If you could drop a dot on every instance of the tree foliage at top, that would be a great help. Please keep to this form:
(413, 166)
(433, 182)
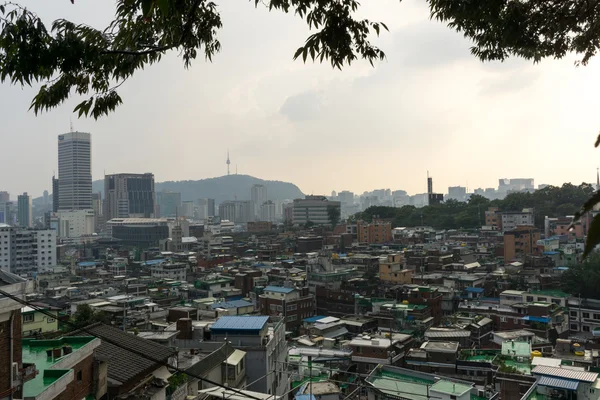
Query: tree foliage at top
(550, 201)
(70, 58)
(583, 279)
(333, 215)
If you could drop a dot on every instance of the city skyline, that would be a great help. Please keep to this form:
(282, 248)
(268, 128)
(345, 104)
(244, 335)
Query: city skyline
(456, 117)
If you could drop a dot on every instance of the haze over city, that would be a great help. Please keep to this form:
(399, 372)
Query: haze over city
(429, 106)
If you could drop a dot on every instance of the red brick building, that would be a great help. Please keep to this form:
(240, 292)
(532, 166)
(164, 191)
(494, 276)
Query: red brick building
(294, 304)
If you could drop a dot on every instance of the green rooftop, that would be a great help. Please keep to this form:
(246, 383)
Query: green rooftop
(414, 388)
(450, 388)
(34, 352)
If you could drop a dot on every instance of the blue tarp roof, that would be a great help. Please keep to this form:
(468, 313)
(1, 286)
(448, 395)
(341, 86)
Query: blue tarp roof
(154, 262)
(313, 319)
(88, 264)
(231, 304)
(235, 323)
(474, 290)
(305, 397)
(550, 253)
(279, 289)
(544, 320)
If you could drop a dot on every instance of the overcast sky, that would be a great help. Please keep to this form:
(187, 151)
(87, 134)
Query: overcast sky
(429, 106)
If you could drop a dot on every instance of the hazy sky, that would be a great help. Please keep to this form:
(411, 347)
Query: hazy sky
(429, 106)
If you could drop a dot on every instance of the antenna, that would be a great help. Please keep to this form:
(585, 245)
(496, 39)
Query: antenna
(71, 122)
(228, 162)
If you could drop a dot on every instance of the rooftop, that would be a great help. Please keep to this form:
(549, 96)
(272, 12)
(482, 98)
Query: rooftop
(550, 293)
(451, 388)
(443, 347)
(231, 304)
(240, 323)
(565, 373)
(34, 352)
(279, 289)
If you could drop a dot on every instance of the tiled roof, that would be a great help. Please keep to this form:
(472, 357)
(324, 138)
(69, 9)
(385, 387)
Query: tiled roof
(123, 365)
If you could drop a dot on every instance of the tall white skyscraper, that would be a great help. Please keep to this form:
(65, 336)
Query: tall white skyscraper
(258, 195)
(74, 171)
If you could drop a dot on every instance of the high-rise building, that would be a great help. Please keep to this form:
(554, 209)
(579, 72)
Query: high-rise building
(187, 209)
(27, 250)
(267, 211)
(98, 213)
(4, 197)
(313, 209)
(458, 193)
(24, 211)
(8, 214)
(236, 211)
(169, 203)
(46, 198)
(74, 171)
(129, 196)
(205, 208)
(258, 195)
(55, 197)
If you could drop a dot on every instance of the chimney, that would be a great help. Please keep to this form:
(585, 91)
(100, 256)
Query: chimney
(184, 326)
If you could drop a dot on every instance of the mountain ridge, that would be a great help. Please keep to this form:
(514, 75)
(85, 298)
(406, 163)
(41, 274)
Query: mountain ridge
(221, 188)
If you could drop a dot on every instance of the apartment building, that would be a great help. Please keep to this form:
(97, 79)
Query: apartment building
(520, 242)
(369, 352)
(376, 232)
(27, 251)
(313, 209)
(294, 304)
(392, 270)
(512, 219)
(263, 340)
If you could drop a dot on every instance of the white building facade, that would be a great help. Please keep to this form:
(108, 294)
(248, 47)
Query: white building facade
(27, 251)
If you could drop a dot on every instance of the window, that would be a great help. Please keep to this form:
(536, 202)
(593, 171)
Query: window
(502, 319)
(596, 316)
(50, 320)
(574, 327)
(586, 315)
(573, 313)
(542, 299)
(291, 307)
(529, 298)
(28, 318)
(79, 375)
(586, 328)
(292, 318)
(516, 321)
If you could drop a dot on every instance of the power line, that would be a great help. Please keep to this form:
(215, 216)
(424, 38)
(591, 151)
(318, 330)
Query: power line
(119, 345)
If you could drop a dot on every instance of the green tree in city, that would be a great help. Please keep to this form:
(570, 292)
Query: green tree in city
(333, 215)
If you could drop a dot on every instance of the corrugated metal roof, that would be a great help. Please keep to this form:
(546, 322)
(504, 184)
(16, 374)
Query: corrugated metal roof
(447, 334)
(565, 373)
(243, 323)
(558, 383)
(336, 333)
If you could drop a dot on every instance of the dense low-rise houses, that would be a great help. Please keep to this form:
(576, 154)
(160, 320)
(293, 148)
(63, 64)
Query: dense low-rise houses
(267, 311)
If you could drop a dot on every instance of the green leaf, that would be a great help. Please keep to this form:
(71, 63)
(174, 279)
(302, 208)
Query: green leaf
(593, 237)
(597, 141)
(587, 206)
(147, 7)
(164, 6)
(298, 52)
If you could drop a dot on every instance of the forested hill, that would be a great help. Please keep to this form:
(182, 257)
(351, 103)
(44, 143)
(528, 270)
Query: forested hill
(228, 187)
(551, 201)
